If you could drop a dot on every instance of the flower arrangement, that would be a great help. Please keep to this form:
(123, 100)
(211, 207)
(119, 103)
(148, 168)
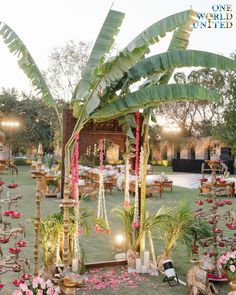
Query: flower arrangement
(38, 286)
(227, 262)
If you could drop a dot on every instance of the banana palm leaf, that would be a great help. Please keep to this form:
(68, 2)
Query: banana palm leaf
(179, 41)
(150, 97)
(26, 62)
(176, 59)
(102, 45)
(159, 29)
(115, 70)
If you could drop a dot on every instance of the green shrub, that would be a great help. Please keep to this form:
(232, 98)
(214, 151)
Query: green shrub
(21, 161)
(165, 163)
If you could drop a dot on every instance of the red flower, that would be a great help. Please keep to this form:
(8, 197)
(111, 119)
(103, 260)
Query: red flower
(4, 240)
(8, 213)
(2, 182)
(99, 229)
(1, 286)
(136, 224)
(17, 282)
(26, 277)
(221, 244)
(16, 215)
(209, 200)
(21, 243)
(126, 204)
(14, 250)
(220, 204)
(12, 185)
(199, 203)
(231, 226)
(228, 202)
(217, 230)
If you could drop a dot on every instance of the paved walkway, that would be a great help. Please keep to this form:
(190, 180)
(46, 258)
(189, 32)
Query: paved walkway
(188, 180)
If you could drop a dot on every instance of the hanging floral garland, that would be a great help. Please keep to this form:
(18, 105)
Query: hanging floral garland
(75, 167)
(127, 195)
(101, 213)
(75, 195)
(136, 223)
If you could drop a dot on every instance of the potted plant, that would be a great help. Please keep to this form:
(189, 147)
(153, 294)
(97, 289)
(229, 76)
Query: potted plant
(49, 160)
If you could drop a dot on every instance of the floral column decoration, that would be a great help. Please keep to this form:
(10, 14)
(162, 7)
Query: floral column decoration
(101, 213)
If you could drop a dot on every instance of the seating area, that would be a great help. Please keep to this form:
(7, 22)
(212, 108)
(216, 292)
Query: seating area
(114, 179)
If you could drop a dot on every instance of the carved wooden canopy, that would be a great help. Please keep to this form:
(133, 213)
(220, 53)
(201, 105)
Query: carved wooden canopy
(90, 134)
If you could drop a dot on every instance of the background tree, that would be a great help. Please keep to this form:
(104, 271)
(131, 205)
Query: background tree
(199, 118)
(38, 122)
(226, 126)
(66, 63)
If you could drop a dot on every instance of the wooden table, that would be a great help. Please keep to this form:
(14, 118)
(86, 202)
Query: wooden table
(167, 184)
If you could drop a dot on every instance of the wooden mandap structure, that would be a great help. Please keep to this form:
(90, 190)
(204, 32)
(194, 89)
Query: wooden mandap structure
(89, 135)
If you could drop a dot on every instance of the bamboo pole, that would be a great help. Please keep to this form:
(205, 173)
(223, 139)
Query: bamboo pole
(152, 250)
(143, 183)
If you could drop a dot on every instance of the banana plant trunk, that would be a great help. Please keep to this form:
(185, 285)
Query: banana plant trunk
(146, 152)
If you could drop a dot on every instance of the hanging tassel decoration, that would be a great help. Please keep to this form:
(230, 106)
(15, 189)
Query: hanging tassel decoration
(127, 195)
(136, 222)
(101, 213)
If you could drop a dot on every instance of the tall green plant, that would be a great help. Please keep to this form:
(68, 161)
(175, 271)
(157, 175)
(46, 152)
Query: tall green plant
(133, 238)
(182, 226)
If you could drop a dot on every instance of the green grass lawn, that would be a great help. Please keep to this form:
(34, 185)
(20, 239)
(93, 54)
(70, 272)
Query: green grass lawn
(98, 247)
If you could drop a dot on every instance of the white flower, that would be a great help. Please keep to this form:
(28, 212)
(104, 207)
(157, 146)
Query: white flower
(232, 268)
(23, 287)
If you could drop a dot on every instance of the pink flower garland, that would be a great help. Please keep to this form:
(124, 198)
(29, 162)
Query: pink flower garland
(101, 155)
(75, 166)
(137, 119)
(136, 223)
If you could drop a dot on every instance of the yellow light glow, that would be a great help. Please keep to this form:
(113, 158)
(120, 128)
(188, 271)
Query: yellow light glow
(10, 123)
(119, 239)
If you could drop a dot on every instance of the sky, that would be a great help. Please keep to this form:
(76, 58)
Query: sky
(46, 24)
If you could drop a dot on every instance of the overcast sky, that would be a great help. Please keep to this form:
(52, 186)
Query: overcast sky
(45, 24)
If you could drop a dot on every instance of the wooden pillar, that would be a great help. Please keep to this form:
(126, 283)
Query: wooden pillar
(66, 203)
(38, 176)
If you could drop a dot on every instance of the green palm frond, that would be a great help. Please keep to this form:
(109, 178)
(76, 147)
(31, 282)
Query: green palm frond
(151, 97)
(102, 45)
(114, 71)
(177, 59)
(26, 62)
(159, 29)
(178, 227)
